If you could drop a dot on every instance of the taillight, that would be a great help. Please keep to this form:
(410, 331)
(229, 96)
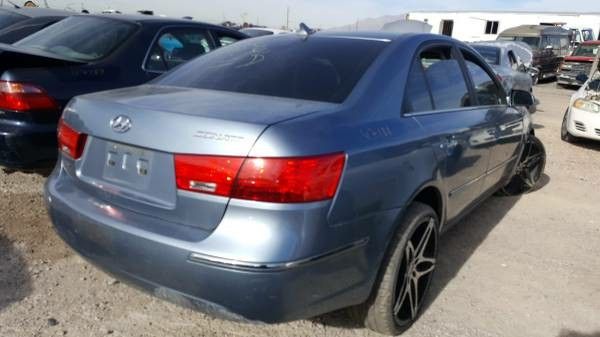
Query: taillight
(70, 141)
(206, 174)
(24, 97)
(278, 180)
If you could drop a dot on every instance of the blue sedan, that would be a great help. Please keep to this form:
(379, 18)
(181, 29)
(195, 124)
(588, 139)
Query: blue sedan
(288, 176)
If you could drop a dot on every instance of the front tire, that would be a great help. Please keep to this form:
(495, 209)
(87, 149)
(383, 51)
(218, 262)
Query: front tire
(406, 274)
(564, 130)
(530, 168)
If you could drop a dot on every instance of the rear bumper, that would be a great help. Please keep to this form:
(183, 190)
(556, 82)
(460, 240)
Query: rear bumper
(27, 145)
(166, 267)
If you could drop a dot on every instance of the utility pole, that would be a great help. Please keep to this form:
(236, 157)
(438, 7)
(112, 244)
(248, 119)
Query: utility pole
(287, 20)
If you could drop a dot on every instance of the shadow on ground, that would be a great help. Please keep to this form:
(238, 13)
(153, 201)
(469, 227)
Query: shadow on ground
(587, 144)
(44, 172)
(571, 333)
(15, 282)
(457, 245)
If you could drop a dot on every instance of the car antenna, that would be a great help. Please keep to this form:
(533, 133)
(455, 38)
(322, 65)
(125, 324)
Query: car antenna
(305, 30)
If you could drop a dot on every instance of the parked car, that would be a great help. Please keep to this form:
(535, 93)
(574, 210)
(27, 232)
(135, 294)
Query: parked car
(259, 31)
(16, 24)
(582, 118)
(83, 54)
(288, 176)
(511, 62)
(580, 62)
(550, 44)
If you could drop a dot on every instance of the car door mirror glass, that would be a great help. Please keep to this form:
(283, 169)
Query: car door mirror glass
(522, 98)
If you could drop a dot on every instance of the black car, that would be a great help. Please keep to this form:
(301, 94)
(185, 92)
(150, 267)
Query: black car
(83, 54)
(18, 23)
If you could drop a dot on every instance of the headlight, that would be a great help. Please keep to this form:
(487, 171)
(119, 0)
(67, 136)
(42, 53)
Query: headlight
(584, 104)
(566, 67)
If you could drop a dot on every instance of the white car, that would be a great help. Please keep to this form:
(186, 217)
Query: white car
(582, 119)
(258, 31)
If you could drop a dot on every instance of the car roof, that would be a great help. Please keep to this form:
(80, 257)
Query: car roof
(140, 18)
(364, 35)
(37, 12)
(534, 30)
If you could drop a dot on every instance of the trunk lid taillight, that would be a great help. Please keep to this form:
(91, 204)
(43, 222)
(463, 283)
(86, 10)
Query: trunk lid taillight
(23, 97)
(70, 141)
(277, 180)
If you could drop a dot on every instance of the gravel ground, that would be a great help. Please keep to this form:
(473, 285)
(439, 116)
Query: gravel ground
(523, 266)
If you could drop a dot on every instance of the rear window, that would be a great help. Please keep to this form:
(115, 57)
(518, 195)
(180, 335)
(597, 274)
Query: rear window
(81, 38)
(8, 18)
(314, 68)
(490, 54)
(531, 41)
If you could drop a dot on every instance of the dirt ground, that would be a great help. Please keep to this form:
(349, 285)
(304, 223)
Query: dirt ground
(523, 266)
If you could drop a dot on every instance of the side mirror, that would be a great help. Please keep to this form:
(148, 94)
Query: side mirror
(581, 78)
(522, 98)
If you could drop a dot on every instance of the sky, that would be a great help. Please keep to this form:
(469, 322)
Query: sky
(316, 13)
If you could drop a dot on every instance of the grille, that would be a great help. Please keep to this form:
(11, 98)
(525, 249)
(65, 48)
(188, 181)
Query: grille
(580, 126)
(581, 67)
(598, 132)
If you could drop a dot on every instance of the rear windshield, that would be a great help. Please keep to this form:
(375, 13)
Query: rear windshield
(81, 38)
(315, 68)
(8, 18)
(490, 54)
(586, 50)
(531, 41)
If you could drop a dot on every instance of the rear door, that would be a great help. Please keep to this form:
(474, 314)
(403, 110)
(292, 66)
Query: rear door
(506, 123)
(460, 131)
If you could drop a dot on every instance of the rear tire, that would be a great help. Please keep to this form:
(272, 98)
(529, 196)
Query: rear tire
(530, 168)
(406, 274)
(564, 131)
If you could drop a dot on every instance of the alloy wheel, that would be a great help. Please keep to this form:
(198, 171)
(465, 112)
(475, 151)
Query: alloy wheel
(415, 273)
(531, 168)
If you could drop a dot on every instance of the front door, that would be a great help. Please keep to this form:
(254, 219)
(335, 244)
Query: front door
(461, 133)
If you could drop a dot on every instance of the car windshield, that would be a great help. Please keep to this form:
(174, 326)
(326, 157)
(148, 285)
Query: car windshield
(531, 41)
(292, 66)
(79, 37)
(490, 54)
(8, 18)
(586, 50)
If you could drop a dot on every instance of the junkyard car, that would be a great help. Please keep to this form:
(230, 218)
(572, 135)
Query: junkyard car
(580, 62)
(83, 54)
(511, 62)
(582, 118)
(550, 45)
(288, 176)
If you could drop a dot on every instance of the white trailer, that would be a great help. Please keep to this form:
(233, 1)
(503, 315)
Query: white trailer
(486, 25)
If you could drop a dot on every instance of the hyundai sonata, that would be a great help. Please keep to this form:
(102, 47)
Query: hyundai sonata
(288, 176)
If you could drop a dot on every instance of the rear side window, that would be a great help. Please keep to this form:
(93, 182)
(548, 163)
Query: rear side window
(487, 91)
(417, 97)
(177, 46)
(312, 68)
(445, 77)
